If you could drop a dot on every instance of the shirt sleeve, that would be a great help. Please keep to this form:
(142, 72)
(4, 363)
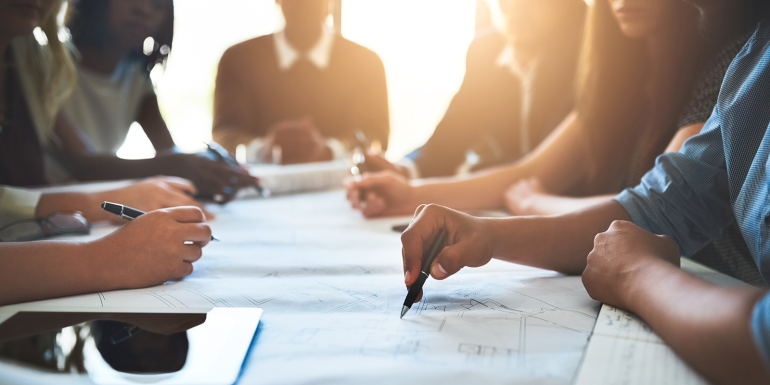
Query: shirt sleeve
(17, 204)
(686, 195)
(760, 328)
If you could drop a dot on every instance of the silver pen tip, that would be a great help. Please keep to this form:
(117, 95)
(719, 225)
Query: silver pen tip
(403, 311)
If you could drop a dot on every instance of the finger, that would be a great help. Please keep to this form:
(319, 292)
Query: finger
(193, 253)
(180, 184)
(414, 240)
(354, 198)
(375, 205)
(187, 214)
(198, 233)
(184, 269)
(449, 261)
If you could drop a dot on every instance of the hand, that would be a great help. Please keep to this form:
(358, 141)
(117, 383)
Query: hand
(620, 256)
(469, 243)
(213, 179)
(149, 195)
(521, 196)
(299, 140)
(151, 249)
(387, 193)
(375, 161)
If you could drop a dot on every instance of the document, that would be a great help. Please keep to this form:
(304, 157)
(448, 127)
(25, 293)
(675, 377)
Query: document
(625, 350)
(308, 177)
(331, 287)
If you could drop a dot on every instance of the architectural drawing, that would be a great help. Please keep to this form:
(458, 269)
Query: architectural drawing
(331, 286)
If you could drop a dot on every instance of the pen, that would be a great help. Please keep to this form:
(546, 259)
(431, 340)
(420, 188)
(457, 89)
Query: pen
(129, 213)
(414, 291)
(217, 150)
(359, 162)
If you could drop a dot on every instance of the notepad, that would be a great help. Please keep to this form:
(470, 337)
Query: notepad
(307, 177)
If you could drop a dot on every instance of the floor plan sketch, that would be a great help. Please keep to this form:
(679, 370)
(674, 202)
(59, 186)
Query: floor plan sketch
(332, 296)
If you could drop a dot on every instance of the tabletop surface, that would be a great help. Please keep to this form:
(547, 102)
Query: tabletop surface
(331, 286)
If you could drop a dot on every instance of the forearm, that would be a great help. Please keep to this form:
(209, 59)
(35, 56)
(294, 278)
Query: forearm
(481, 190)
(38, 270)
(708, 326)
(86, 203)
(559, 243)
(546, 204)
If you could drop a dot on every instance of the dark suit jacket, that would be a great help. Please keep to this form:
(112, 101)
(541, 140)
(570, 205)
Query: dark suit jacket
(252, 93)
(484, 116)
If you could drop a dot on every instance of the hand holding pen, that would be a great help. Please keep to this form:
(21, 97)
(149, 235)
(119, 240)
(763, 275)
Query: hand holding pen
(439, 242)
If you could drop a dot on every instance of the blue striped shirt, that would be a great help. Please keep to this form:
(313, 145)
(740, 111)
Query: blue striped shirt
(721, 175)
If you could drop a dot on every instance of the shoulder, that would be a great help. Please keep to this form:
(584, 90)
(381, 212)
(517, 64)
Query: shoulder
(253, 47)
(487, 44)
(361, 54)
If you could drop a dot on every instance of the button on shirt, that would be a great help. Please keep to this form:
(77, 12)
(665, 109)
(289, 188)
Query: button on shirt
(721, 175)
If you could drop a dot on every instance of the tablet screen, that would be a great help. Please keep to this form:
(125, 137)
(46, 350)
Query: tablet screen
(124, 348)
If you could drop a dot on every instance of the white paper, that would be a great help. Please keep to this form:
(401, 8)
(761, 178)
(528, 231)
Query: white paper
(625, 350)
(308, 177)
(331, 286)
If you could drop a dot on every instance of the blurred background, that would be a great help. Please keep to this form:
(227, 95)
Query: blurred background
(422, 44)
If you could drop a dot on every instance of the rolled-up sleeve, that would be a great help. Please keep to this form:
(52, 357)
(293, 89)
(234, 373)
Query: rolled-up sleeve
(686, 195)
(760, 328)
(17, 204)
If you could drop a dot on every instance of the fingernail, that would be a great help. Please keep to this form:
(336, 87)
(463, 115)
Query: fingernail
(438, 271)
(407, 276)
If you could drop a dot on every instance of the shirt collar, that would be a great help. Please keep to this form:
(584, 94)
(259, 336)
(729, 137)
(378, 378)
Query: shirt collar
(318, 55)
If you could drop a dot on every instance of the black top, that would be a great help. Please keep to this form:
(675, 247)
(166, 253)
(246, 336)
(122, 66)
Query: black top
(484, 116)
(21, 155)
(252, 93)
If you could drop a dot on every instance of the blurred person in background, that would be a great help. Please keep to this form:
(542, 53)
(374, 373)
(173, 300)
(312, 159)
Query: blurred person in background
(638, 73)
(113, 90)
(518, 87)
(304, 90)
(35, 79)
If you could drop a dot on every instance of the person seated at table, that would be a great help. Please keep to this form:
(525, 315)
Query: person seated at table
(157, 247)
(718, 177)
(18, 204)
(633, 102)
(113, 88)
(304, 90)
(35, 138)
(517, 88)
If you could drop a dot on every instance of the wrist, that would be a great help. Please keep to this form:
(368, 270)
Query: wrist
(637, 283)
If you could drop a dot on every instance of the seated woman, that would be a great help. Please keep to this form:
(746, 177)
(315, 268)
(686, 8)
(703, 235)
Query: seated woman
(37, 270)
(513, 93)
(113, 88)
(637, 95)
(111, 92)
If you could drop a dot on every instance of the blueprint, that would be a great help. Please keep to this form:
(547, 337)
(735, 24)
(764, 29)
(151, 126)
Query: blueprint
(331, 286)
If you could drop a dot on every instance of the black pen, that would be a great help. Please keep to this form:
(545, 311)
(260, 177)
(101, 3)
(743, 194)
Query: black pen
(416, 287)
(129, 213)
(359, 162)
(216, 149)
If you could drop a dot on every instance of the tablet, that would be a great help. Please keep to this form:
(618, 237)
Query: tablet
(203, 346)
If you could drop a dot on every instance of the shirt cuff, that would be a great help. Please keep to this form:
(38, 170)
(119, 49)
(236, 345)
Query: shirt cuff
(411, 167)
(760, 327)
(17, 204)
(631, 201)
